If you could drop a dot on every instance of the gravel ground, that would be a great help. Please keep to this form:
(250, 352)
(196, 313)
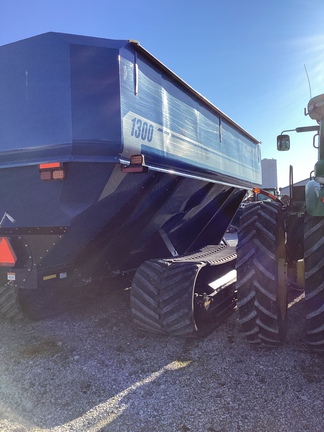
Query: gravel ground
(90, 370)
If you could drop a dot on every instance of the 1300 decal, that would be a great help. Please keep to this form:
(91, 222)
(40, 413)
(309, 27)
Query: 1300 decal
(142, 129)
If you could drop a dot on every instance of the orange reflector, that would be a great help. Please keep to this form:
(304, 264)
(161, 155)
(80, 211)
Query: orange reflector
(136, 159)
(7, 255)
(256, 190)
(50, 165)
(58, 174)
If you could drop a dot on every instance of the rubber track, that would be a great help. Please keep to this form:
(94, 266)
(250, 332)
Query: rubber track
(162, 297)
(257, 270)
(314, 280)
(9, 305)
(162, 294)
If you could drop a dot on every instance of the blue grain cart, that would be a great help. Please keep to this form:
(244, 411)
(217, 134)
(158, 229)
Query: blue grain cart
(111, 164)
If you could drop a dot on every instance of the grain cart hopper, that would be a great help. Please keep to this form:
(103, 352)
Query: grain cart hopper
(110, 163)
(281, 246)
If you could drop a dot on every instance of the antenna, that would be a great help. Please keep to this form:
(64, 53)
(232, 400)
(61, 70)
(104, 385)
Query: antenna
(309, 84)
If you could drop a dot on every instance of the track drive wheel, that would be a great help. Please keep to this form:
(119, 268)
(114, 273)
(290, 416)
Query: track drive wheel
(261, 274)
(314, 281)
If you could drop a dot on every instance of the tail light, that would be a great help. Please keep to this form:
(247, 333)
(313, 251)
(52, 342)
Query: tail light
(52, 171)
(136, 165)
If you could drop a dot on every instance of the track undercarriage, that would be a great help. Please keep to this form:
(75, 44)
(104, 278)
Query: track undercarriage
(186, 296)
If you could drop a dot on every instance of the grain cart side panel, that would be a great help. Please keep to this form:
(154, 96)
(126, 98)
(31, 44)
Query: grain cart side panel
(75, 110)
(176, 128)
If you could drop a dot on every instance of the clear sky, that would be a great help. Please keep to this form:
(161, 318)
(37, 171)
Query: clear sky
(246, 56)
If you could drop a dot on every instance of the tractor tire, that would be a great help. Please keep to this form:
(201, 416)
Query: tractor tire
(314, 282)
(261, 274)
(9, 305)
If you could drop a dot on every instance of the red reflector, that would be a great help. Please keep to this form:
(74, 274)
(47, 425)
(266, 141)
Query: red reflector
(50, 165)
(46, 175)
(133, 169)
(7, 255)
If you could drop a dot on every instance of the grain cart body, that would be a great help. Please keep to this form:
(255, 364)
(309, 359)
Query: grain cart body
(74, 203)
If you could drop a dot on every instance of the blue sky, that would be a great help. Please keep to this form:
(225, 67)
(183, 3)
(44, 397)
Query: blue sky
(246, 56)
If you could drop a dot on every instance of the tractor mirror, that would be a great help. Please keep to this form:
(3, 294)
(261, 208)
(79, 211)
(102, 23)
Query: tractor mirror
(283, 142)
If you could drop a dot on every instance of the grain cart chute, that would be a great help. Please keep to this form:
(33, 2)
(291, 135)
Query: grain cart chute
(281, 246)
(110, 163)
